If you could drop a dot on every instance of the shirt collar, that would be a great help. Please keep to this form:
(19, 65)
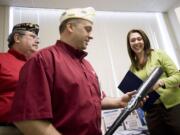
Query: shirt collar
(17, 54)
(78, 53)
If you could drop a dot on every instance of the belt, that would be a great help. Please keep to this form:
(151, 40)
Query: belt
(7, 124)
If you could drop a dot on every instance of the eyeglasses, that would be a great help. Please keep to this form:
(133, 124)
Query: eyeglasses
(34, 36)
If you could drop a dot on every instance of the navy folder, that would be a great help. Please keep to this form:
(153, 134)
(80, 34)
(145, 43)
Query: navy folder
(131, 82)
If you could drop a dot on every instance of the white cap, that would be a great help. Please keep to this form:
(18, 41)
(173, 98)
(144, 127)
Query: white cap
(83, 13)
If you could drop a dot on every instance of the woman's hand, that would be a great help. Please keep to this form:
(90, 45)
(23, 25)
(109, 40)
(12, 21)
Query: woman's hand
(158, 84)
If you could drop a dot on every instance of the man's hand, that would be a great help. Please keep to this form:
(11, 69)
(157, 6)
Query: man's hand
(128, 96)
(125, 98)
(119, 102)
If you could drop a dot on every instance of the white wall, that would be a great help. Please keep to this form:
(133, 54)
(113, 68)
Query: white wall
(174, 17)
(1, 28)
(4, 13)
(107, 51)
(2, 31)
(173, 22)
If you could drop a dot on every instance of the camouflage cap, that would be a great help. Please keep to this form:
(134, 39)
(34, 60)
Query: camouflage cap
(26, 27)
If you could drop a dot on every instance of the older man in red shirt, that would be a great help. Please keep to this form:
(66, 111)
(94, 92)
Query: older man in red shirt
(22, 42)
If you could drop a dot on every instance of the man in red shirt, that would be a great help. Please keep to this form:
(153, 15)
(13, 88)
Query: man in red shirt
(22, 42)
(58, 91)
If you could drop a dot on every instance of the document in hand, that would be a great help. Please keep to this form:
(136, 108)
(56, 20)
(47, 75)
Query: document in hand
(132, 82)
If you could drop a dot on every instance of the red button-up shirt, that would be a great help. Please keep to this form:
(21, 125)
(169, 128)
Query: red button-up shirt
(10, 65)
(60, 85)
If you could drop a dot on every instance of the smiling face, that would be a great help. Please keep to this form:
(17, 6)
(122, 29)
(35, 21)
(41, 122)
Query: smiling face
(29, 42)
(81, 34)
(136, 43)
(26, 43)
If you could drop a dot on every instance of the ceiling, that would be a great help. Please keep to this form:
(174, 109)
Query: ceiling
(100, 5)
